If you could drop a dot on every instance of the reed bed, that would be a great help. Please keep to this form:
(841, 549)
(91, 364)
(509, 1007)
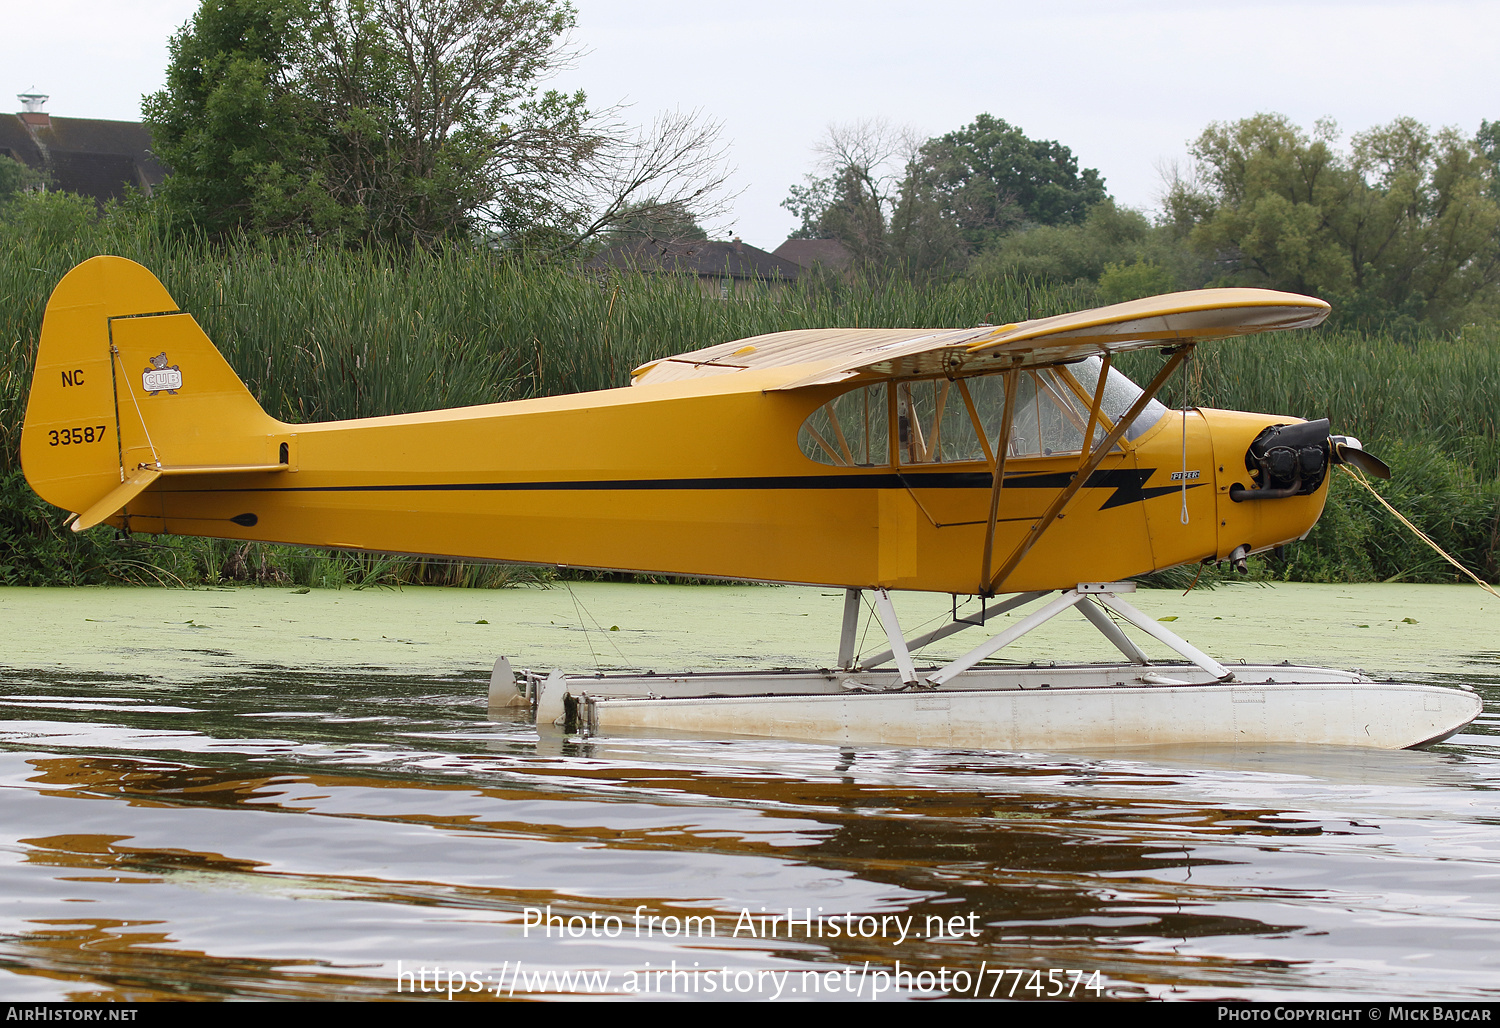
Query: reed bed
(320, 334)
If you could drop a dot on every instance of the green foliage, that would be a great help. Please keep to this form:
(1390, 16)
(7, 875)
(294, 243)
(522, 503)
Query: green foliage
(1429, 408)
(1082, 253)
(929, 208)
(807, 203)
(856, 216)
(16, 178)
(1358, 540)
(1385, 391)
(651, 219)
(988, 178)
(43, 222)
(1069, 253)
(401, 121)
(1488, 140)
(1121, 282)
(854, 200)
(1400, 229)
(925, 238)
(35, 548)
(229, 113)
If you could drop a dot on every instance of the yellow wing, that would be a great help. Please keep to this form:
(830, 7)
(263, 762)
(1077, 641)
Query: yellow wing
(826, 356)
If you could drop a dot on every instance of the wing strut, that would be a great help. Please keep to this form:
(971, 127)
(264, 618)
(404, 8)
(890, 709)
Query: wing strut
(1002, 446)
(992, 585)
(1088, 434)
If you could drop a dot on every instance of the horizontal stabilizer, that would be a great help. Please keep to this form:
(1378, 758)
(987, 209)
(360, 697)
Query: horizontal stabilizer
(137, 483)
(116, 499)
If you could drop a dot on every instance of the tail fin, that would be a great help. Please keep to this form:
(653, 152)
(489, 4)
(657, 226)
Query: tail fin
(128, 388)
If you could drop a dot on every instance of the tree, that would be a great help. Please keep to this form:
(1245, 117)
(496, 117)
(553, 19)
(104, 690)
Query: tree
(668, 178)
(387, 120)
(988, 178)
(1108, 236)
(854, 198)
(17, 178)
(1400, 226)
(649, 220)
(931, 207)
(231, 116)
(1488, 140)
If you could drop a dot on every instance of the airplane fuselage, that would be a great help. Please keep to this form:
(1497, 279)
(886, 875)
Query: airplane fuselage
(678, 479)
(135, 416)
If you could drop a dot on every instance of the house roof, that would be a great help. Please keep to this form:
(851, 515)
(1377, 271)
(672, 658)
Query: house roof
(16, 142)
(89, 156)
(701, 257)
(830, 253)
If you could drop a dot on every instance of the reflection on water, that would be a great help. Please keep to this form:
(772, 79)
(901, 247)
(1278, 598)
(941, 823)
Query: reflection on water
(280, 833)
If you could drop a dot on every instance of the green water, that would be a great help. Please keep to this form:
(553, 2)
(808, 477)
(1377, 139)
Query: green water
(175, 635)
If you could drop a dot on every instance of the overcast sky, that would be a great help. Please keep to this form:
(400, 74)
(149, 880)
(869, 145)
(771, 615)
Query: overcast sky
(1124, 83)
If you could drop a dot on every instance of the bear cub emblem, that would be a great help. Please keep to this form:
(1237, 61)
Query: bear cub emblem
(162, 376)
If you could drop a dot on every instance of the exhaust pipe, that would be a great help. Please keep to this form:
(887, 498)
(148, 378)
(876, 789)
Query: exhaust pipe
(1238, 556)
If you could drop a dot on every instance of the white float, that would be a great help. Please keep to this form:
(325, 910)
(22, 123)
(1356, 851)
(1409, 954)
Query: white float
(966, 704)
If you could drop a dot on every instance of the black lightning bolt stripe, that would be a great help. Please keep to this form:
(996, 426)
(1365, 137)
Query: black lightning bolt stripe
(1127, 484)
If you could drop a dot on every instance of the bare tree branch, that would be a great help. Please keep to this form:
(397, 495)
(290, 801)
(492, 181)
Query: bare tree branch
(677, 167)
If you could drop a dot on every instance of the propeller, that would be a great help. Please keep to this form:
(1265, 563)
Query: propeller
(1349, 450)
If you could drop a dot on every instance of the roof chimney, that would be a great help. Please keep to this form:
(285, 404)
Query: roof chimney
(31, 110)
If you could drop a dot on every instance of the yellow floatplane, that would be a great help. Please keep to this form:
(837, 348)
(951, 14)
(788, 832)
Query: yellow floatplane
(1005, 462)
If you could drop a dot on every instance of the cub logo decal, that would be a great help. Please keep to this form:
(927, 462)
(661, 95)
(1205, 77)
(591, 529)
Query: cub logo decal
(161, 375)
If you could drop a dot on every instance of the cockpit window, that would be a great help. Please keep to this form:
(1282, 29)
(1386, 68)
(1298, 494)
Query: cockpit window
(936, 422)
(849, 430)
(950, 421)
(933, 424)
(1119, 394)
(1048, 417)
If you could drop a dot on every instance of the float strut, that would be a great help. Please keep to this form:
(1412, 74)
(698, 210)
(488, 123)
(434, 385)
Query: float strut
(1111, 631)
(1156, 631)
(1005, 638)
(953, 626)
(851, 627)
(893, 633)
(1106, 594)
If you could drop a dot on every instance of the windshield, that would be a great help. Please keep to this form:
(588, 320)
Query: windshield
(1119, 394)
